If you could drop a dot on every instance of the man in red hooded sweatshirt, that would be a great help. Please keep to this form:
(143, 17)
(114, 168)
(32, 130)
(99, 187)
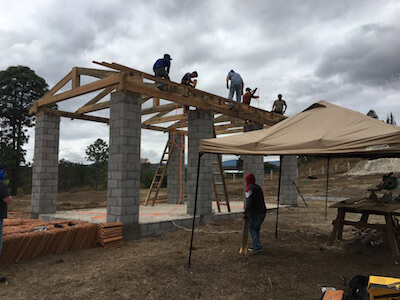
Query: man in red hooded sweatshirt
(255, 210)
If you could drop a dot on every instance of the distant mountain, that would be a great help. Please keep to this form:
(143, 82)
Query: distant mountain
(232, 163)
(275, 162)
(229, 163)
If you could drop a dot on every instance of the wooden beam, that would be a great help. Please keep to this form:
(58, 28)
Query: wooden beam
(166, 107)
(227, 131)
(100, 96)
(165, 119)
(252, 114)
(84, 89)
(76, 78)
(93, 107)
(163, 129)
(95, 72)
(156, 102)
(75, 116)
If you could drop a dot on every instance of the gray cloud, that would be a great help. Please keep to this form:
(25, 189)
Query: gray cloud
(368, 55)
(340, 51)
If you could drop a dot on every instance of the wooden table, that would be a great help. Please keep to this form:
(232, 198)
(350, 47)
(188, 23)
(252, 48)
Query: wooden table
(367, 208)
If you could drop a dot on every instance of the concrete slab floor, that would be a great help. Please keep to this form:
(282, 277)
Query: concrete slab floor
(148, 214)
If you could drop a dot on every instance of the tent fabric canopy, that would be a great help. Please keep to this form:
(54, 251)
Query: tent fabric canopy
(323, 129)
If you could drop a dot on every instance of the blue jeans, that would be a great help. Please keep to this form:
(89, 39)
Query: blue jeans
(1, 234)
(254, 229)
(235, 88)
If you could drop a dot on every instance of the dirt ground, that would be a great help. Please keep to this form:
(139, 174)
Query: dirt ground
(294, 266)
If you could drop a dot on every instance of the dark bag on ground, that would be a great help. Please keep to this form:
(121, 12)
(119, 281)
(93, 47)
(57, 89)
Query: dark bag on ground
(358, 288)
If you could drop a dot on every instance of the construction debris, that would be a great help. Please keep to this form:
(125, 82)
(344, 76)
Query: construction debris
(110, 234)
(31, 238)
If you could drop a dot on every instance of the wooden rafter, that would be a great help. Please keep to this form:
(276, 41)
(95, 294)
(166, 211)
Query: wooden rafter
(122, 78)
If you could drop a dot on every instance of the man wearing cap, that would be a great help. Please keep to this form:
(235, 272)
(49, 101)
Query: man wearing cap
(161, 69)
(249, 95)
(5, 198)
(187, 80)
(236, 86)
(279, 105)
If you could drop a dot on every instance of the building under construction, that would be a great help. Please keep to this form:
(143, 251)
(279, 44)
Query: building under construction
(135, 103)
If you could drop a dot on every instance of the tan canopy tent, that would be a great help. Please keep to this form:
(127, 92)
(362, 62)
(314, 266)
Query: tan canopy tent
(323, 129)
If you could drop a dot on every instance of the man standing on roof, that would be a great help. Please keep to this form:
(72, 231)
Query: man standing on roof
(249, 95)
(236, 86)
(187, 80)
(5, 198)
(279, 105)
(161, 69)
(255, 210)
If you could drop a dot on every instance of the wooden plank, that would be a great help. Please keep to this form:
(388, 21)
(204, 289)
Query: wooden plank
(227, 131)
(258, 116)
(163, 129)
(95, 72)
(100, 96)
(156, 102)
(160, 108)
(93, 107)
(76, 78)
(84, 89)
(165, 119)
(75, 116)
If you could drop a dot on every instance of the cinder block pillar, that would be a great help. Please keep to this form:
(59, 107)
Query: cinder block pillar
(45, 165)
(288, 194)
(253, 163)
(176, 170)
(200, 127)
(123, 190)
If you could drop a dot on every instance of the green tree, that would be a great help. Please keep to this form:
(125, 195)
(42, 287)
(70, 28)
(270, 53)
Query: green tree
(390, 119)
(372, 114)
(98, 153)
(19, 88)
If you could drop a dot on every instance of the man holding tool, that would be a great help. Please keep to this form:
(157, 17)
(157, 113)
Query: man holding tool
(255, 211)
(249, 95)
(187, 80)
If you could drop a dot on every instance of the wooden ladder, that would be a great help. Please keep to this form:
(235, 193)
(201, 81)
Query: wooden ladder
(159, 175)
(219, 185)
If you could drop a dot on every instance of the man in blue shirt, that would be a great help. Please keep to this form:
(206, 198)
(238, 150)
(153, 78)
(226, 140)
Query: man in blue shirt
(236, 86)
(161, 69)
(5, 198)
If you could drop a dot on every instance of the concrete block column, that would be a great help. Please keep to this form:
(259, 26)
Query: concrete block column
(253, 163)
(288, 194)
(45, 165)
(176, 170)
(123, 190)
(200, 127)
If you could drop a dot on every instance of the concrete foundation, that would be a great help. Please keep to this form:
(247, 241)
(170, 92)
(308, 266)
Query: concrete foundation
(45, 165)
(200, 126)
(123, 191)
(176, 170)
(153, 220)
(288, 195)
(253, 163)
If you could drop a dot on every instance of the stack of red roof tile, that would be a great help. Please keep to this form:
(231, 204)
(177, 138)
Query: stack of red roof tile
(110, 234)
(30, 238)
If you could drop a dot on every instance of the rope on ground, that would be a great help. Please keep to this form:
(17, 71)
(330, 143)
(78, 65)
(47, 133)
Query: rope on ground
(204, 231)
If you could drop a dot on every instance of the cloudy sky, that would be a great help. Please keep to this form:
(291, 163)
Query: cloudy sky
(345, 52)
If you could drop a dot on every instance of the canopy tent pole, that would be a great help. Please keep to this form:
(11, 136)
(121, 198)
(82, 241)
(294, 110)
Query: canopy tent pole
(195, 207)
(327, 186)
(279, 194)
